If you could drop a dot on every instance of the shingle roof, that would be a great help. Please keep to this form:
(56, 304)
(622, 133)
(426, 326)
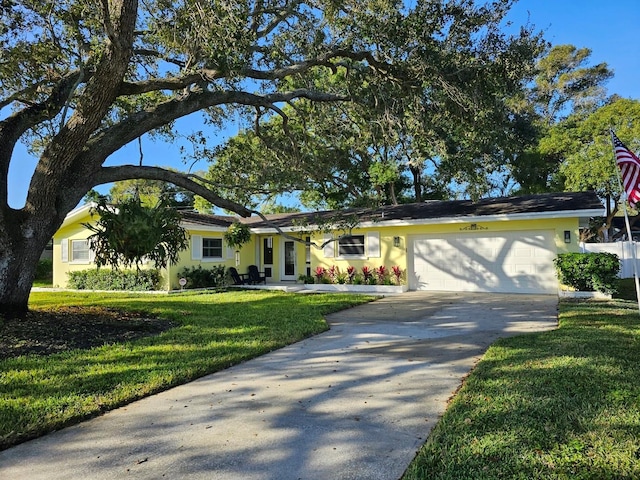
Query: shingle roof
(207, 220)
(433, 209)
(436, 209)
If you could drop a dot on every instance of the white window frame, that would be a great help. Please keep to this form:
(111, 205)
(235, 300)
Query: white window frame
(197, 249)
(205, 240)
(370, 249)
(73, 258)
(350, 239)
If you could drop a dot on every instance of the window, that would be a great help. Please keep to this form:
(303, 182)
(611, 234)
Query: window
(267, 249)
(211, 248)
(350, 246)
(80, 252)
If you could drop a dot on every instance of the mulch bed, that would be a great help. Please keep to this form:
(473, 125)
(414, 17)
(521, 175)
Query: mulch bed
(43, 332)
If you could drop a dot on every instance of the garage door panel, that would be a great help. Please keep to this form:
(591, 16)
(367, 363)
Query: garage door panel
(505, 262)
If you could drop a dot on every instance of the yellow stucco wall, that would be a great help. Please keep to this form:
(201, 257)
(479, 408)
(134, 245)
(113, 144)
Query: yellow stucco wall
(76, 231)
(246, 256)
(253, 254)
(391, 255)
(171, 275)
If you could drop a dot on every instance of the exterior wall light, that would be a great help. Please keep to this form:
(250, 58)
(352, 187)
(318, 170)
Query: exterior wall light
(396, 241)
(567, 236)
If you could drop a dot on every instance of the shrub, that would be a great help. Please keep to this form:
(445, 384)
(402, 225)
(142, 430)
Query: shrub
(589, 271)
(351, 273)
(383, 275)
(397, 274)
(133, 280)
(367, 273)
(320, 274)
(44, 271)
(198, 277)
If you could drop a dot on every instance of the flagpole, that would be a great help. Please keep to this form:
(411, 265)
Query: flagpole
(627, 224)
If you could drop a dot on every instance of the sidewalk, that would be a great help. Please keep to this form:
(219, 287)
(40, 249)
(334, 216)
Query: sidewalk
(355, 402)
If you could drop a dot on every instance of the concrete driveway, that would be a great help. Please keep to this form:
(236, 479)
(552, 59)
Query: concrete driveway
(356, 402)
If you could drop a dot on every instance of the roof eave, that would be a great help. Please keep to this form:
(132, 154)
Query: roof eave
(204, 228)
(581, 214)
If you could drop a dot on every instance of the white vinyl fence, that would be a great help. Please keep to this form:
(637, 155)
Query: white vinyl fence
(624, 250)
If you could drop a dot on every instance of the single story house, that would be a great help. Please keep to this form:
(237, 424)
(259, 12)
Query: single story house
(502, 244)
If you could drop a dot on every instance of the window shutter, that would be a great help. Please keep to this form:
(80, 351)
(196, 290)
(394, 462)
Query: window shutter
(196, 247)
(92, 253)
(231, 253)
(373, 244)
(329, 248)
(64, 249)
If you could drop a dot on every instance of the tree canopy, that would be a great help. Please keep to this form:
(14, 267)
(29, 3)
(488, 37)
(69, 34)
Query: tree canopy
(584, 143)
(565, 86)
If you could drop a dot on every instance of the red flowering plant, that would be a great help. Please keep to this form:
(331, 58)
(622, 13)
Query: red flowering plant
(397, 274)
(320, 274)
(351, 273)
(333, 273)
(367, 273)
(382, 274)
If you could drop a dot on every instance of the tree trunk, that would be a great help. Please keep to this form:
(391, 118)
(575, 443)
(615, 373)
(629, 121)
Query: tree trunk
(20, 248)
(417, 182)
(18, 273)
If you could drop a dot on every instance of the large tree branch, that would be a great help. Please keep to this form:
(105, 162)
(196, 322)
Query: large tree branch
(207, 75)
(169, 83)
(129, 172)
(57, 160)
(14, 126)
(140, 123)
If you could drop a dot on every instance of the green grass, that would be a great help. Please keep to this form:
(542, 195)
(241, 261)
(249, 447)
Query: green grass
(39, 394)
(557, 405)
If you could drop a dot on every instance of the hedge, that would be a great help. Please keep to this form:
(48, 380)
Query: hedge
(104, 279)
(198, 277)
(589, 271)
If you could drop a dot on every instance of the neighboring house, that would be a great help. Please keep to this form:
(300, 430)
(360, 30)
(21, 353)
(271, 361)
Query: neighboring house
(493, 245)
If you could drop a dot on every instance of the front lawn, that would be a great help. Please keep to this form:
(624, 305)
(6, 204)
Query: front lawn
(41, 393)
(563, 404)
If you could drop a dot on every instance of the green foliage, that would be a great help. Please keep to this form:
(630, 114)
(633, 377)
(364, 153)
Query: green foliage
(198, 277)
(307, 279)
(585, 144)
(44, 272)
(150, 193)
(566, 90)
(237, 235)
(130, 233)
(368, 276)
(589, 271)
(134, 280)
(442, 122)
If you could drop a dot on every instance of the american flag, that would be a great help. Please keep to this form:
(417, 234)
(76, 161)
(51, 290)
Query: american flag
(629, 169)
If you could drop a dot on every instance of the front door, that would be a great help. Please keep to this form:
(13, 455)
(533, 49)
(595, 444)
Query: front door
(289, 260)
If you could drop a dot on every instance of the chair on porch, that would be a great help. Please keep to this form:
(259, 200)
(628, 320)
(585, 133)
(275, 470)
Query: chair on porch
(237, 278)
(256, 276)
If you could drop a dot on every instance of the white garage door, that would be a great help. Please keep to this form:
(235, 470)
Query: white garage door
(519, 262)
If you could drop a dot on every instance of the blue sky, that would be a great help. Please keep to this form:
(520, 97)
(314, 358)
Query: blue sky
(609, 28)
